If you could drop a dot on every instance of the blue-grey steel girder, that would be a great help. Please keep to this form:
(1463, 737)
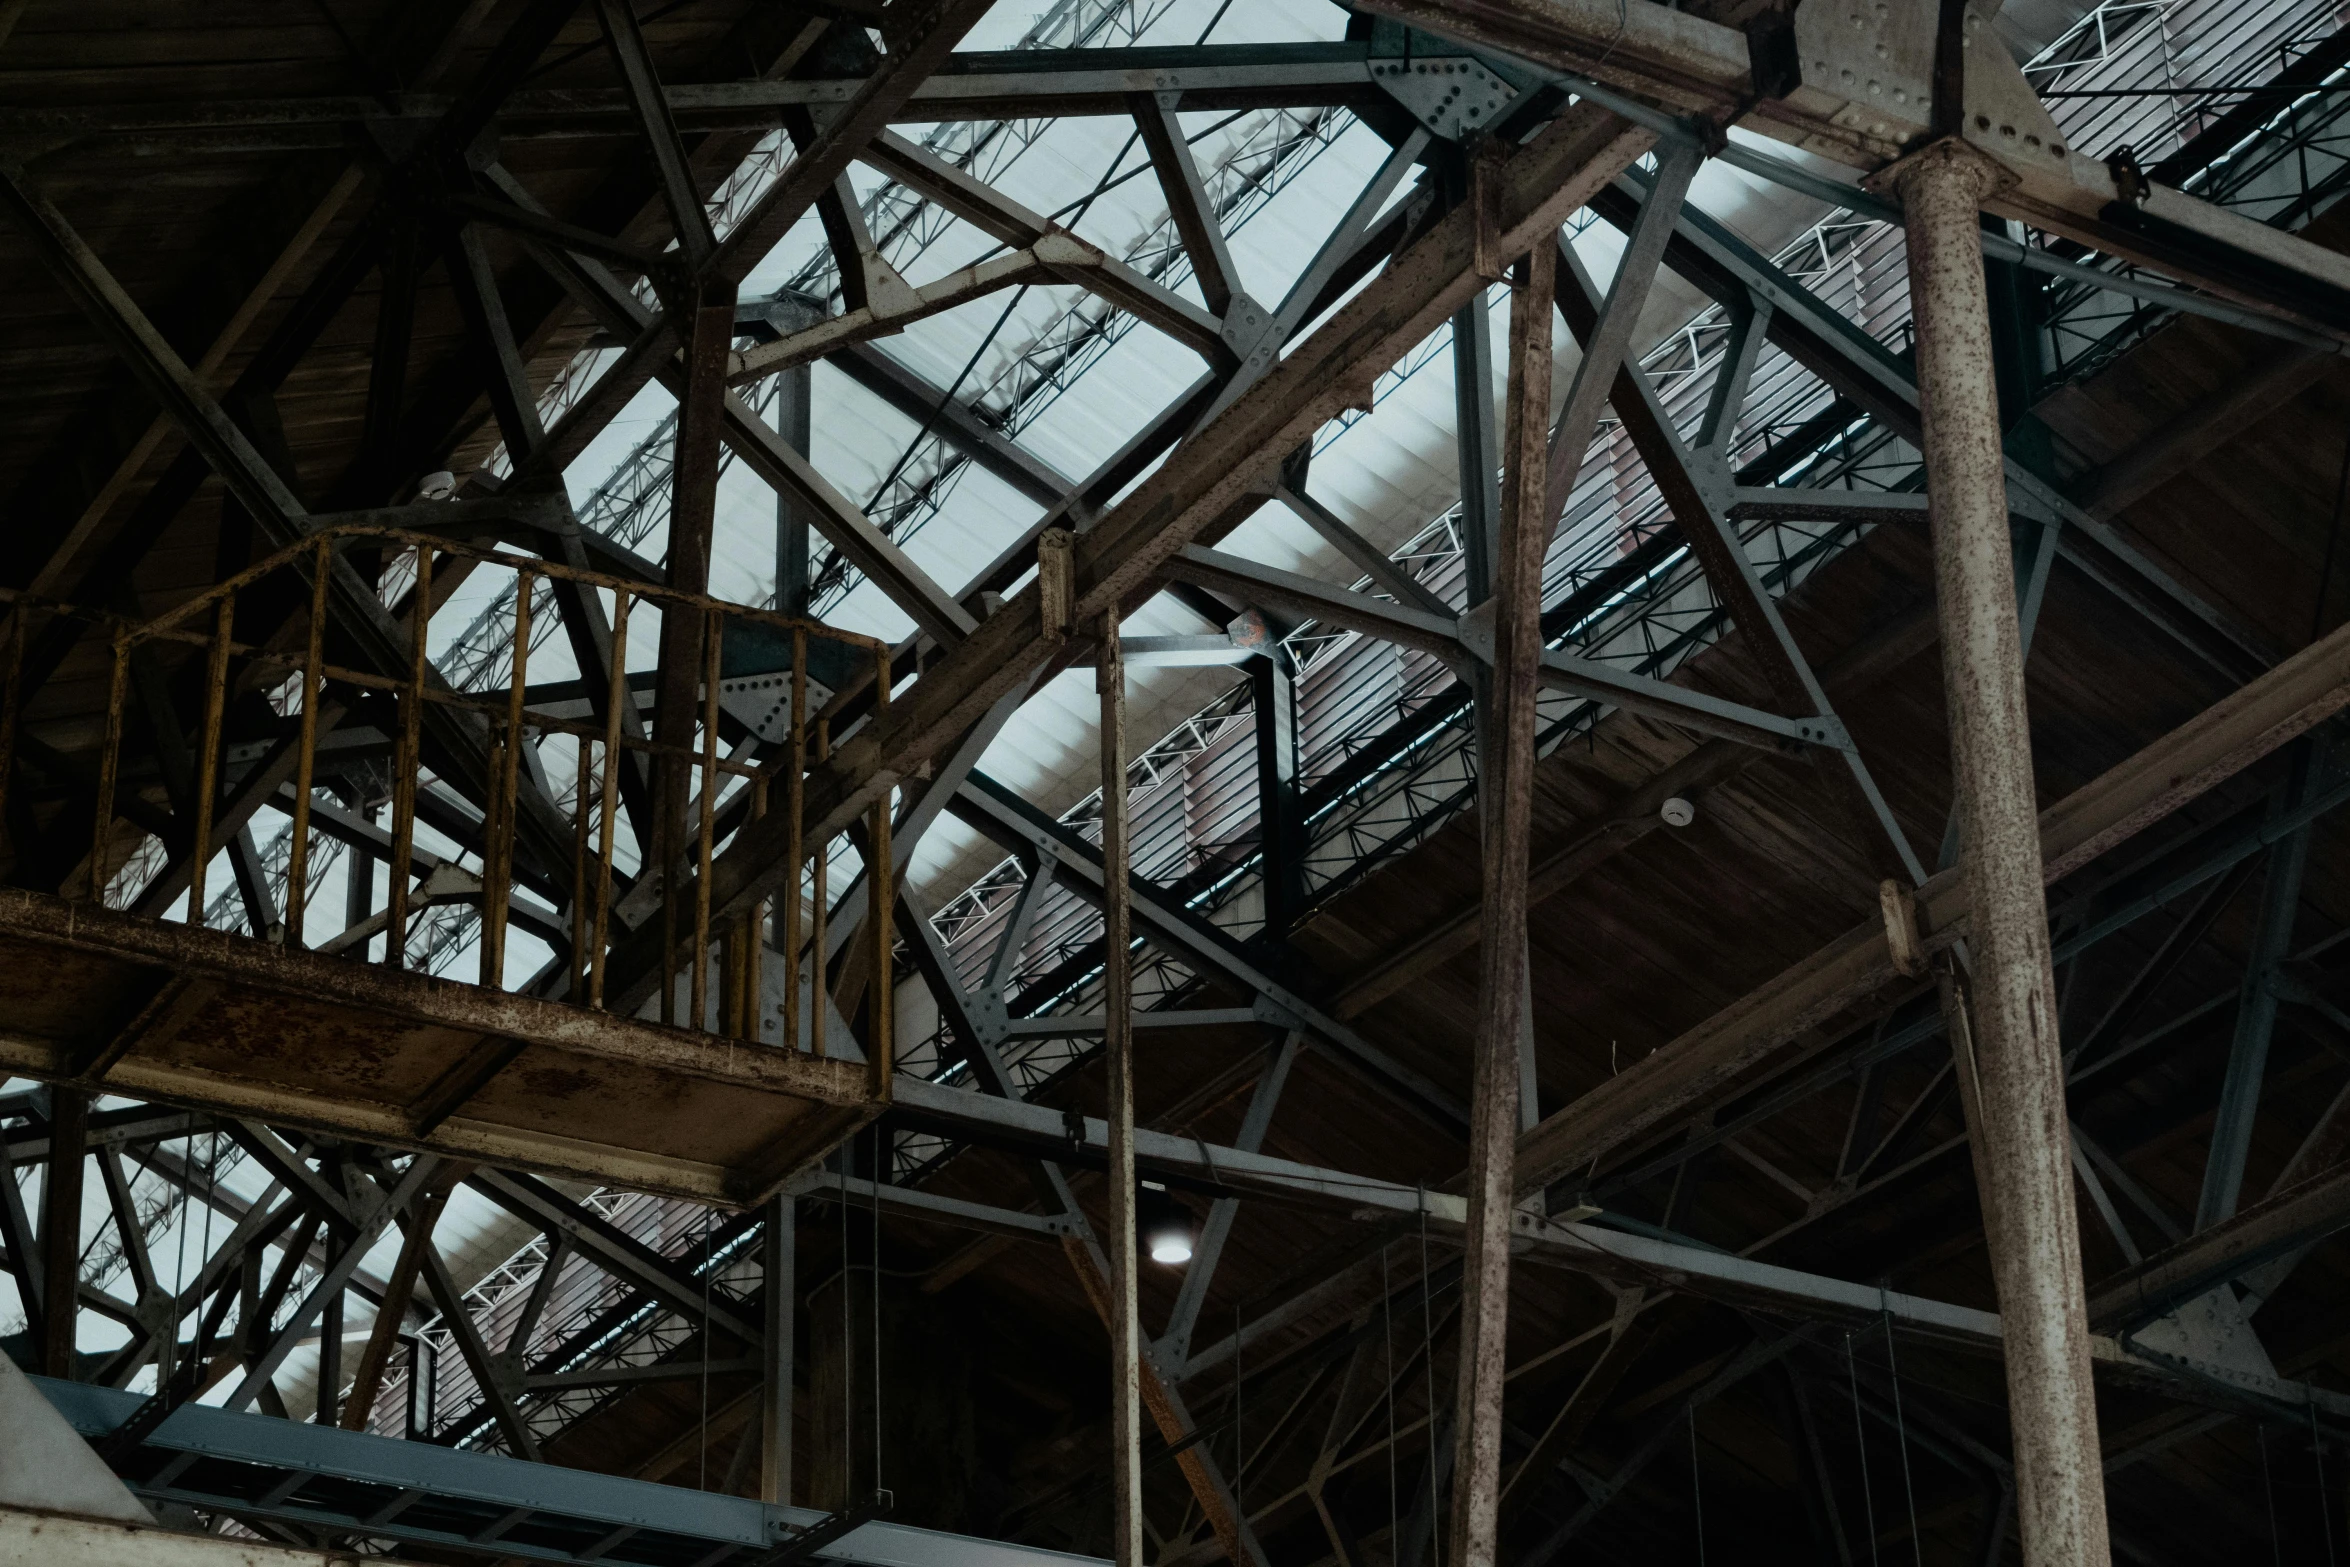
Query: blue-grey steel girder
(2256, 1010)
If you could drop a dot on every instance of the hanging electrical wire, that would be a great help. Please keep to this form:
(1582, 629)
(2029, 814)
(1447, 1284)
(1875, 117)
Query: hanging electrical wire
(1860, 1440)
(1387, 1312)
(1696, 1486)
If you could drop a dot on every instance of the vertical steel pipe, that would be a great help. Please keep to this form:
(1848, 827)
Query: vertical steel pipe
(779, 1319)
(614, 692)
(1506, 797)
(795, 847)
(497, 881)
(306, 762)
(881, 1048)
(706, 822)
(11, 705)
(819, 976)
(1118, 1056)
(582, 883)
(750, 946)
(207, 781)
(61, 1228)
(408, 761)
(2028, 1209)
(109, 764)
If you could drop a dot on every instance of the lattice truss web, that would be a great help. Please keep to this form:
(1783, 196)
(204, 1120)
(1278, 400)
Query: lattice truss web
(1384, 750)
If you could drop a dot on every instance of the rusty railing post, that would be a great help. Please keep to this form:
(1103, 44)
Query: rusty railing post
(2028, 1209)
(751, 992)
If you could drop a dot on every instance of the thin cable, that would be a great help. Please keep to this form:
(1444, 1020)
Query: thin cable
(1428, 1370)
(1696, 1486)
(880, 1152)
(1239, 1437)
(1387, 1310)
(848, 1321)
(702, 1480)
(2317, 1455)
(1901, 1430)
(1860, 1442)
(2268, 1487)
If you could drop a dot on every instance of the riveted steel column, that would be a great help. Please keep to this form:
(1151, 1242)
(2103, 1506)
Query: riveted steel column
(2028, 1209)
(1118, 1055)
(1506, 798)
(780, 1322)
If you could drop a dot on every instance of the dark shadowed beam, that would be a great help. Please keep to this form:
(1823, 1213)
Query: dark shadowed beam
(359, 613)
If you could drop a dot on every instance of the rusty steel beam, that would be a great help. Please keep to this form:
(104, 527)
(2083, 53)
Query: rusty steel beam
(342, 1099)
(2213, 746)
(1533, 193)
(2169, 1279)
(1506, 805)
(1801, 84)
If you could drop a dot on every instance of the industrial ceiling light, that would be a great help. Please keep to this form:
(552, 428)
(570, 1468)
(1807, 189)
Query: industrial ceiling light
(1164, 1224)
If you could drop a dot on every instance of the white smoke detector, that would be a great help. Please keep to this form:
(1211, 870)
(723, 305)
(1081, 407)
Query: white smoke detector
(1677, 812)
(437, 486)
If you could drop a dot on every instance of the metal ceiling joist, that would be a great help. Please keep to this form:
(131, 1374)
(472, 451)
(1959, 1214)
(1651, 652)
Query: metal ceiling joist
(1018, 825)
(1581, 1247)
(1534, 192)
(1805, 85)
(1663, 1088)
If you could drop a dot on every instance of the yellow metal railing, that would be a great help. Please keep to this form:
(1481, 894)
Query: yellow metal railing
(700, 797)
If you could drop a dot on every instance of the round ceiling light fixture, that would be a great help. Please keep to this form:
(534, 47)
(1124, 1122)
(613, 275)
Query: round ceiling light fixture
(1677, 812)
(1164, 1224)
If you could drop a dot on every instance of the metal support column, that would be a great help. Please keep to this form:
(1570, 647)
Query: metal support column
(692, 514)
(1273, 691)
(794, 389)
(1118, 1057)
(782, 1327)
(1507, 800)
(2028, 1211)
(61, 1228)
